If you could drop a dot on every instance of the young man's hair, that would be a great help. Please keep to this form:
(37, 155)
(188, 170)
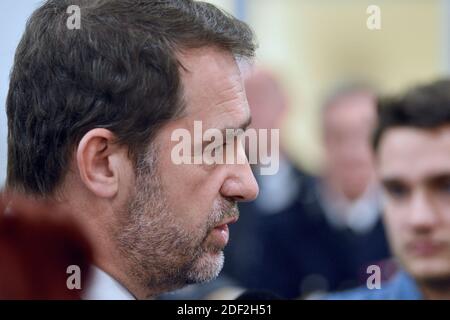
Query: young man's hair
(119, 71)
(424, 107)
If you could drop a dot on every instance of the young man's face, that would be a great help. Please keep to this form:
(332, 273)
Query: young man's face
(414, 167)
(179, 213)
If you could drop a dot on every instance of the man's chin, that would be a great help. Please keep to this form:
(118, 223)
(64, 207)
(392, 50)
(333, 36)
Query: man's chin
(429, 270)
(207, 267)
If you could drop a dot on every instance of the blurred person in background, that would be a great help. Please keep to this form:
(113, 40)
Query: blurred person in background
(412, 145)
(348, 186)
(348, 189)
(306, 234)
(246, 255)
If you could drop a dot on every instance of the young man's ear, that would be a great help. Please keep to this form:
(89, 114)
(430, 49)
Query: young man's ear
(99, 161)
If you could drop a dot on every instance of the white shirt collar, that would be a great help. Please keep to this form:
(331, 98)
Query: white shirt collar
(360, 215)
(105, 287)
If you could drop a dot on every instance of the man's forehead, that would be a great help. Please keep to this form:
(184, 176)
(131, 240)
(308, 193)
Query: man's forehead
(353, 108)
(213, 85)
(414, 154)
(207, 70)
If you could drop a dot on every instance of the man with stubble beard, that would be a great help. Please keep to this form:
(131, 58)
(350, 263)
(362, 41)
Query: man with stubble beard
(91, 113)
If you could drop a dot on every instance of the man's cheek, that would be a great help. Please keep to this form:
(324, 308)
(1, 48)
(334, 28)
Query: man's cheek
(396, 236)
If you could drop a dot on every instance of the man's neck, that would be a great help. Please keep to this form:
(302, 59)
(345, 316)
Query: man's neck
(136, 289)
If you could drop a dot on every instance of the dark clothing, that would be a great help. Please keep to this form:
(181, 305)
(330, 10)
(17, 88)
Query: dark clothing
(296, 251)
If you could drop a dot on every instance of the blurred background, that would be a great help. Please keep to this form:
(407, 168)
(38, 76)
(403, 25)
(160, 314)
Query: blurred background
(315, 45)
(319, 69)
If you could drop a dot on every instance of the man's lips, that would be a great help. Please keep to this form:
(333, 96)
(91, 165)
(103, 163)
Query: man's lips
(226, 222)
(222, 232)
(425, 248)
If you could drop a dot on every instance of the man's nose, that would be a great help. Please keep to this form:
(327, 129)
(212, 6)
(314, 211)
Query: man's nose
(240, 184)
(422, 213)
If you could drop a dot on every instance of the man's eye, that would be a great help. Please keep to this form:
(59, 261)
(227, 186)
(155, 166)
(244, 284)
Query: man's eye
(396, 191)
(445, 187)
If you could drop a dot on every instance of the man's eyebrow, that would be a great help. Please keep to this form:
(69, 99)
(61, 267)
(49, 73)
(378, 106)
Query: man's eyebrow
(391, 181)
(226, 130)
(432, 179)
(439, 178)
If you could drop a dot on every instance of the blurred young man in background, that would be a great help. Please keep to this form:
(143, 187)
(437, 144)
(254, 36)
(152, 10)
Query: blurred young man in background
(412, 144)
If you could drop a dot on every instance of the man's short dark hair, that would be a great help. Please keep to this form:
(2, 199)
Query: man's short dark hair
(119, 71)
(424, 107)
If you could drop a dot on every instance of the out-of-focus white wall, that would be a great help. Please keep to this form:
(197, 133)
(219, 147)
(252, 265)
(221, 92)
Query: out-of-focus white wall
(13, 17)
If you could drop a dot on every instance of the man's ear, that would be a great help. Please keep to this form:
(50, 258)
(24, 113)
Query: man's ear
(99, 160)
